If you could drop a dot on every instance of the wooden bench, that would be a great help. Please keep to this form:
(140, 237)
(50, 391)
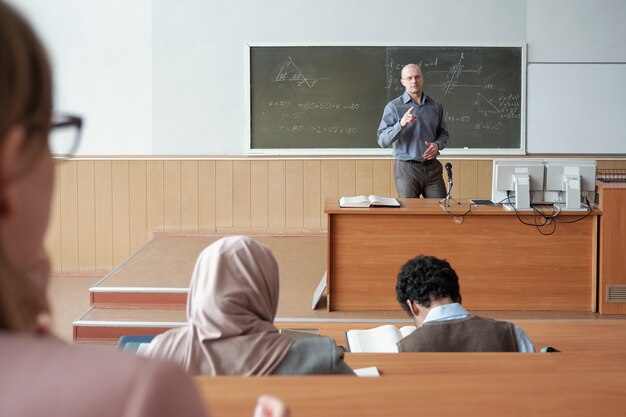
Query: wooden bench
(468, 384)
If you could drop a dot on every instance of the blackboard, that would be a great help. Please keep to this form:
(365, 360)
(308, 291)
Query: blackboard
(332, 97)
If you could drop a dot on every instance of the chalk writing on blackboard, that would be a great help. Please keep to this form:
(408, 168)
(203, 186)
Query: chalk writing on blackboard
(485, 105)
(454, 75)
(332, 97)
(290, 72)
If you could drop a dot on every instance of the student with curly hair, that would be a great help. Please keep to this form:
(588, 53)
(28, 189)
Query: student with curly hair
(428, 290)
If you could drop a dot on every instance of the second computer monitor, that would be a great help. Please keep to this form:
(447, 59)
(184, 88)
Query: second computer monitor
(517, 182)
(568, 180)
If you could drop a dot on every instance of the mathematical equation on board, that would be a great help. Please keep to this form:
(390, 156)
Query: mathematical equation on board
(487, 114)
(486, 108)
(447, 79)
(311, 129)
(312, 105)
(288, 116)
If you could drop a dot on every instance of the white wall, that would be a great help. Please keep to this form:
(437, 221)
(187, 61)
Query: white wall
(169, 77)
(573, 31)
(199, 71)
(576, 76)
(101, 56)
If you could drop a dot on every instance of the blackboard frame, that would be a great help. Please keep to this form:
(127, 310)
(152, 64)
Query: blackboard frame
(376, 151)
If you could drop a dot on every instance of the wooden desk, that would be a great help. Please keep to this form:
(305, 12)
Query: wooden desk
(502, 264)
(566, 335)
(612, 253)
(442, 384)
(395, 364)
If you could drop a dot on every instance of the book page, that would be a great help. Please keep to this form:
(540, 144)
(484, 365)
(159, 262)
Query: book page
(354, 201)
(378, 200)
(371, 371)
(406, 330)
(379, 339)
(144, 349)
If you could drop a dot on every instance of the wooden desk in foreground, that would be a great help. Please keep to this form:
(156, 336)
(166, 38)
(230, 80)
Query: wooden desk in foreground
(443, 384)
(502, 264)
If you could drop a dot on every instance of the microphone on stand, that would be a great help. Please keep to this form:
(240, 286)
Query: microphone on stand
(448, 167)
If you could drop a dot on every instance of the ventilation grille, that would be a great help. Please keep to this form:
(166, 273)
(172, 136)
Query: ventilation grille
(616, 294)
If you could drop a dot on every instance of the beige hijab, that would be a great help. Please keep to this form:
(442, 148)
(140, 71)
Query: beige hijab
(232, 303)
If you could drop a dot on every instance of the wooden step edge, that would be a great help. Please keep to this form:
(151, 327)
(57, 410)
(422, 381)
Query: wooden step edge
(109, 331)
(138, 297)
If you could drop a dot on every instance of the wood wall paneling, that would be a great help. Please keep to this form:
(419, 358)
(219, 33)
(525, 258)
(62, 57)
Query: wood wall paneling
(86, 216)
(206, 196)
(329, 186)
(485, 175)
(294, 194)
(241, 194)
(277, 194)
(467, 175)
(312, 194)
(53, 234)
(224, 194)
(364, 177)
(104, 210)
(69, 216)
(120, 187)
(259, 198)
(172, 194)
(155, 211)
(346, 171)
(382, 178)
(104, 215)
(190, 203)
(138, 209)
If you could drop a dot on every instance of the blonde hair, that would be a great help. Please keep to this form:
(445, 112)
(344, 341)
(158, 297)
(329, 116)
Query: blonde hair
(26, 100)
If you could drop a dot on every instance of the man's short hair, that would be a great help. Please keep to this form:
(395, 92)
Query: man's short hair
(426, 278)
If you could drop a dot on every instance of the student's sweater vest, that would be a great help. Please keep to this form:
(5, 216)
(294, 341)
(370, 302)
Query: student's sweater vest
(470, 334)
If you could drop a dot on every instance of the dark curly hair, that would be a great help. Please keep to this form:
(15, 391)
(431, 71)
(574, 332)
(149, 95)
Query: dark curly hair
(426, 278)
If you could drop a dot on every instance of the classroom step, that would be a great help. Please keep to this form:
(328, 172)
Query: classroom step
(155, 276)
(106, 325)
(158, 275)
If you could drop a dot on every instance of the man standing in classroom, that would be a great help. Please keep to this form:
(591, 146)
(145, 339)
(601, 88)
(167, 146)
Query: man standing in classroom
(414, 125)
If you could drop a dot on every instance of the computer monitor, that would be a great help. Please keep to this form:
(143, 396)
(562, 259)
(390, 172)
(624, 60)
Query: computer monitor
(568, 180)
(521, 177)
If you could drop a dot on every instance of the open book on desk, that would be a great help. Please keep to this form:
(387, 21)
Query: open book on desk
(368, 201)
(381, 339)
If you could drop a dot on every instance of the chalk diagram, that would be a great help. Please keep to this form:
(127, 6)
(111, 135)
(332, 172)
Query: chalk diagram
(291, 73)
(485, 106)
(454, 74)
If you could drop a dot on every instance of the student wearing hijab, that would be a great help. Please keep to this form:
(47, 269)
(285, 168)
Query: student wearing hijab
(233, 298)
(39, 374)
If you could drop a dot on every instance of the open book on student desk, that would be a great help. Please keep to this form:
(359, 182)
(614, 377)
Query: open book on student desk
(368, 201)
(381, 339)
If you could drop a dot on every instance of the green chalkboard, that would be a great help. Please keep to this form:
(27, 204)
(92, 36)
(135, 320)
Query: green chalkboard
(332, 97)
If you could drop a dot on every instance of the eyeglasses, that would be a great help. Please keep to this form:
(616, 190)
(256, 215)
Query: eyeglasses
(64, 136)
